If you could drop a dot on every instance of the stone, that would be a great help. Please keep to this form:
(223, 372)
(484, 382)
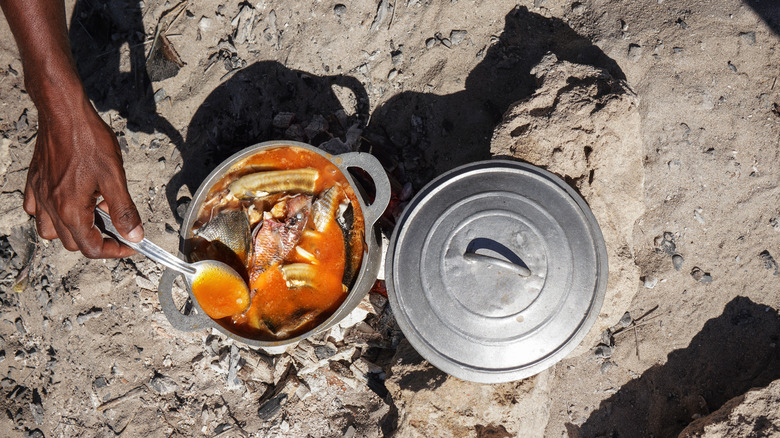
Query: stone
(36, 408)
(20, 326)
(335, 146)
(397, 57)
(699, 275)
(89, 314)
(748, 37)
(324, 351)
(163, 384)
(603, 351)
(457, 36)
(697, 214)
(7, 383)
(626, 320)
(35, 433)
(273, 406)
(677, 261)
(283, 120)
(339, 10)
(666, 243)
(100, 382)
(205, 24)
(769, 262)
(754, 413)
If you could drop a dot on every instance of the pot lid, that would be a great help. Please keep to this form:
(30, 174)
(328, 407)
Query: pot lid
(496, 270)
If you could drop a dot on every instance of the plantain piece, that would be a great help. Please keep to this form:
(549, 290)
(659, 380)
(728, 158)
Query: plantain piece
(298, 275)
(260, 184)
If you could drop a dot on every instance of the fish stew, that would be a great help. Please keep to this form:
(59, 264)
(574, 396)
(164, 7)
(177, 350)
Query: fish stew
(303, 246)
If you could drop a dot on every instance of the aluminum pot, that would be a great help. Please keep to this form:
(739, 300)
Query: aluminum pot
(372, 255)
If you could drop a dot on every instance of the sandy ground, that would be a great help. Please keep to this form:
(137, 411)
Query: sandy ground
(86, 350)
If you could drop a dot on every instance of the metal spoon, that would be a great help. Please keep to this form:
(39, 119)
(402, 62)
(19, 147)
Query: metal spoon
(219, 289)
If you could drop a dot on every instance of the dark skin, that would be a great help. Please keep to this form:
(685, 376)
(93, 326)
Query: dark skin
(77, 157)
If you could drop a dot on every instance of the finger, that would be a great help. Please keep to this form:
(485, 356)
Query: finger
(125, 251)
(123, 212)
(44, 225)
(64, 234)
(93, 245)
(29, 203)
(80, 223)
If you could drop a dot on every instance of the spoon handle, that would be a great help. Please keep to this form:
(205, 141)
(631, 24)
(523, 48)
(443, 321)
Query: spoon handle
(145, 247)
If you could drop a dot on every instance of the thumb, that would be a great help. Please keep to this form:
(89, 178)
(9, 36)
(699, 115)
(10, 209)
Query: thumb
(124, 214)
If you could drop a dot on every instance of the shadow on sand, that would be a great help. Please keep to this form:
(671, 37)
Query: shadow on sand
(107, 40)
(426, 132)
(769, 11)
(733, 353)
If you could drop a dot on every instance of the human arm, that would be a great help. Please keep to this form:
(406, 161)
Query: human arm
(77, 157)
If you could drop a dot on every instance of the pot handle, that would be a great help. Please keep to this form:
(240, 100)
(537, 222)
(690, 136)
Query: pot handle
(179, 321)
(376, 171)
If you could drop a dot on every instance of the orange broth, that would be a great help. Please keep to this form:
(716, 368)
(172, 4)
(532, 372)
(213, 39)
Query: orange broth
(220, 294)
(272, 301)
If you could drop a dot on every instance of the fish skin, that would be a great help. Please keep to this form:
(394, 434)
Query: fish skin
(353, 255)
(273, 240)
(298, 321)
(232, 230)
(325, 208)
(334, 205)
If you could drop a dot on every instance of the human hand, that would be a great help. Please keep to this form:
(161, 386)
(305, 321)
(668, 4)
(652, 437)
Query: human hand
(77, 160)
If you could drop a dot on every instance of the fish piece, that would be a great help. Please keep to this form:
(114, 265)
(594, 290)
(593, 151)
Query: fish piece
(334, 204)
(264, 183)
(231, 228)
(285, 328)
(326, 208)
(273, 240)
(300, 320)
(216, 203)
(298, 275)
(255, 207)
(353, 245)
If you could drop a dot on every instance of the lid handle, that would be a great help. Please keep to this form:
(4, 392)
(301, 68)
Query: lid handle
(520, 270)
(513, 263)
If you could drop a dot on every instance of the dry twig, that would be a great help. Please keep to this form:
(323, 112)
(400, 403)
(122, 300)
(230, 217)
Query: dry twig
(126, 396)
